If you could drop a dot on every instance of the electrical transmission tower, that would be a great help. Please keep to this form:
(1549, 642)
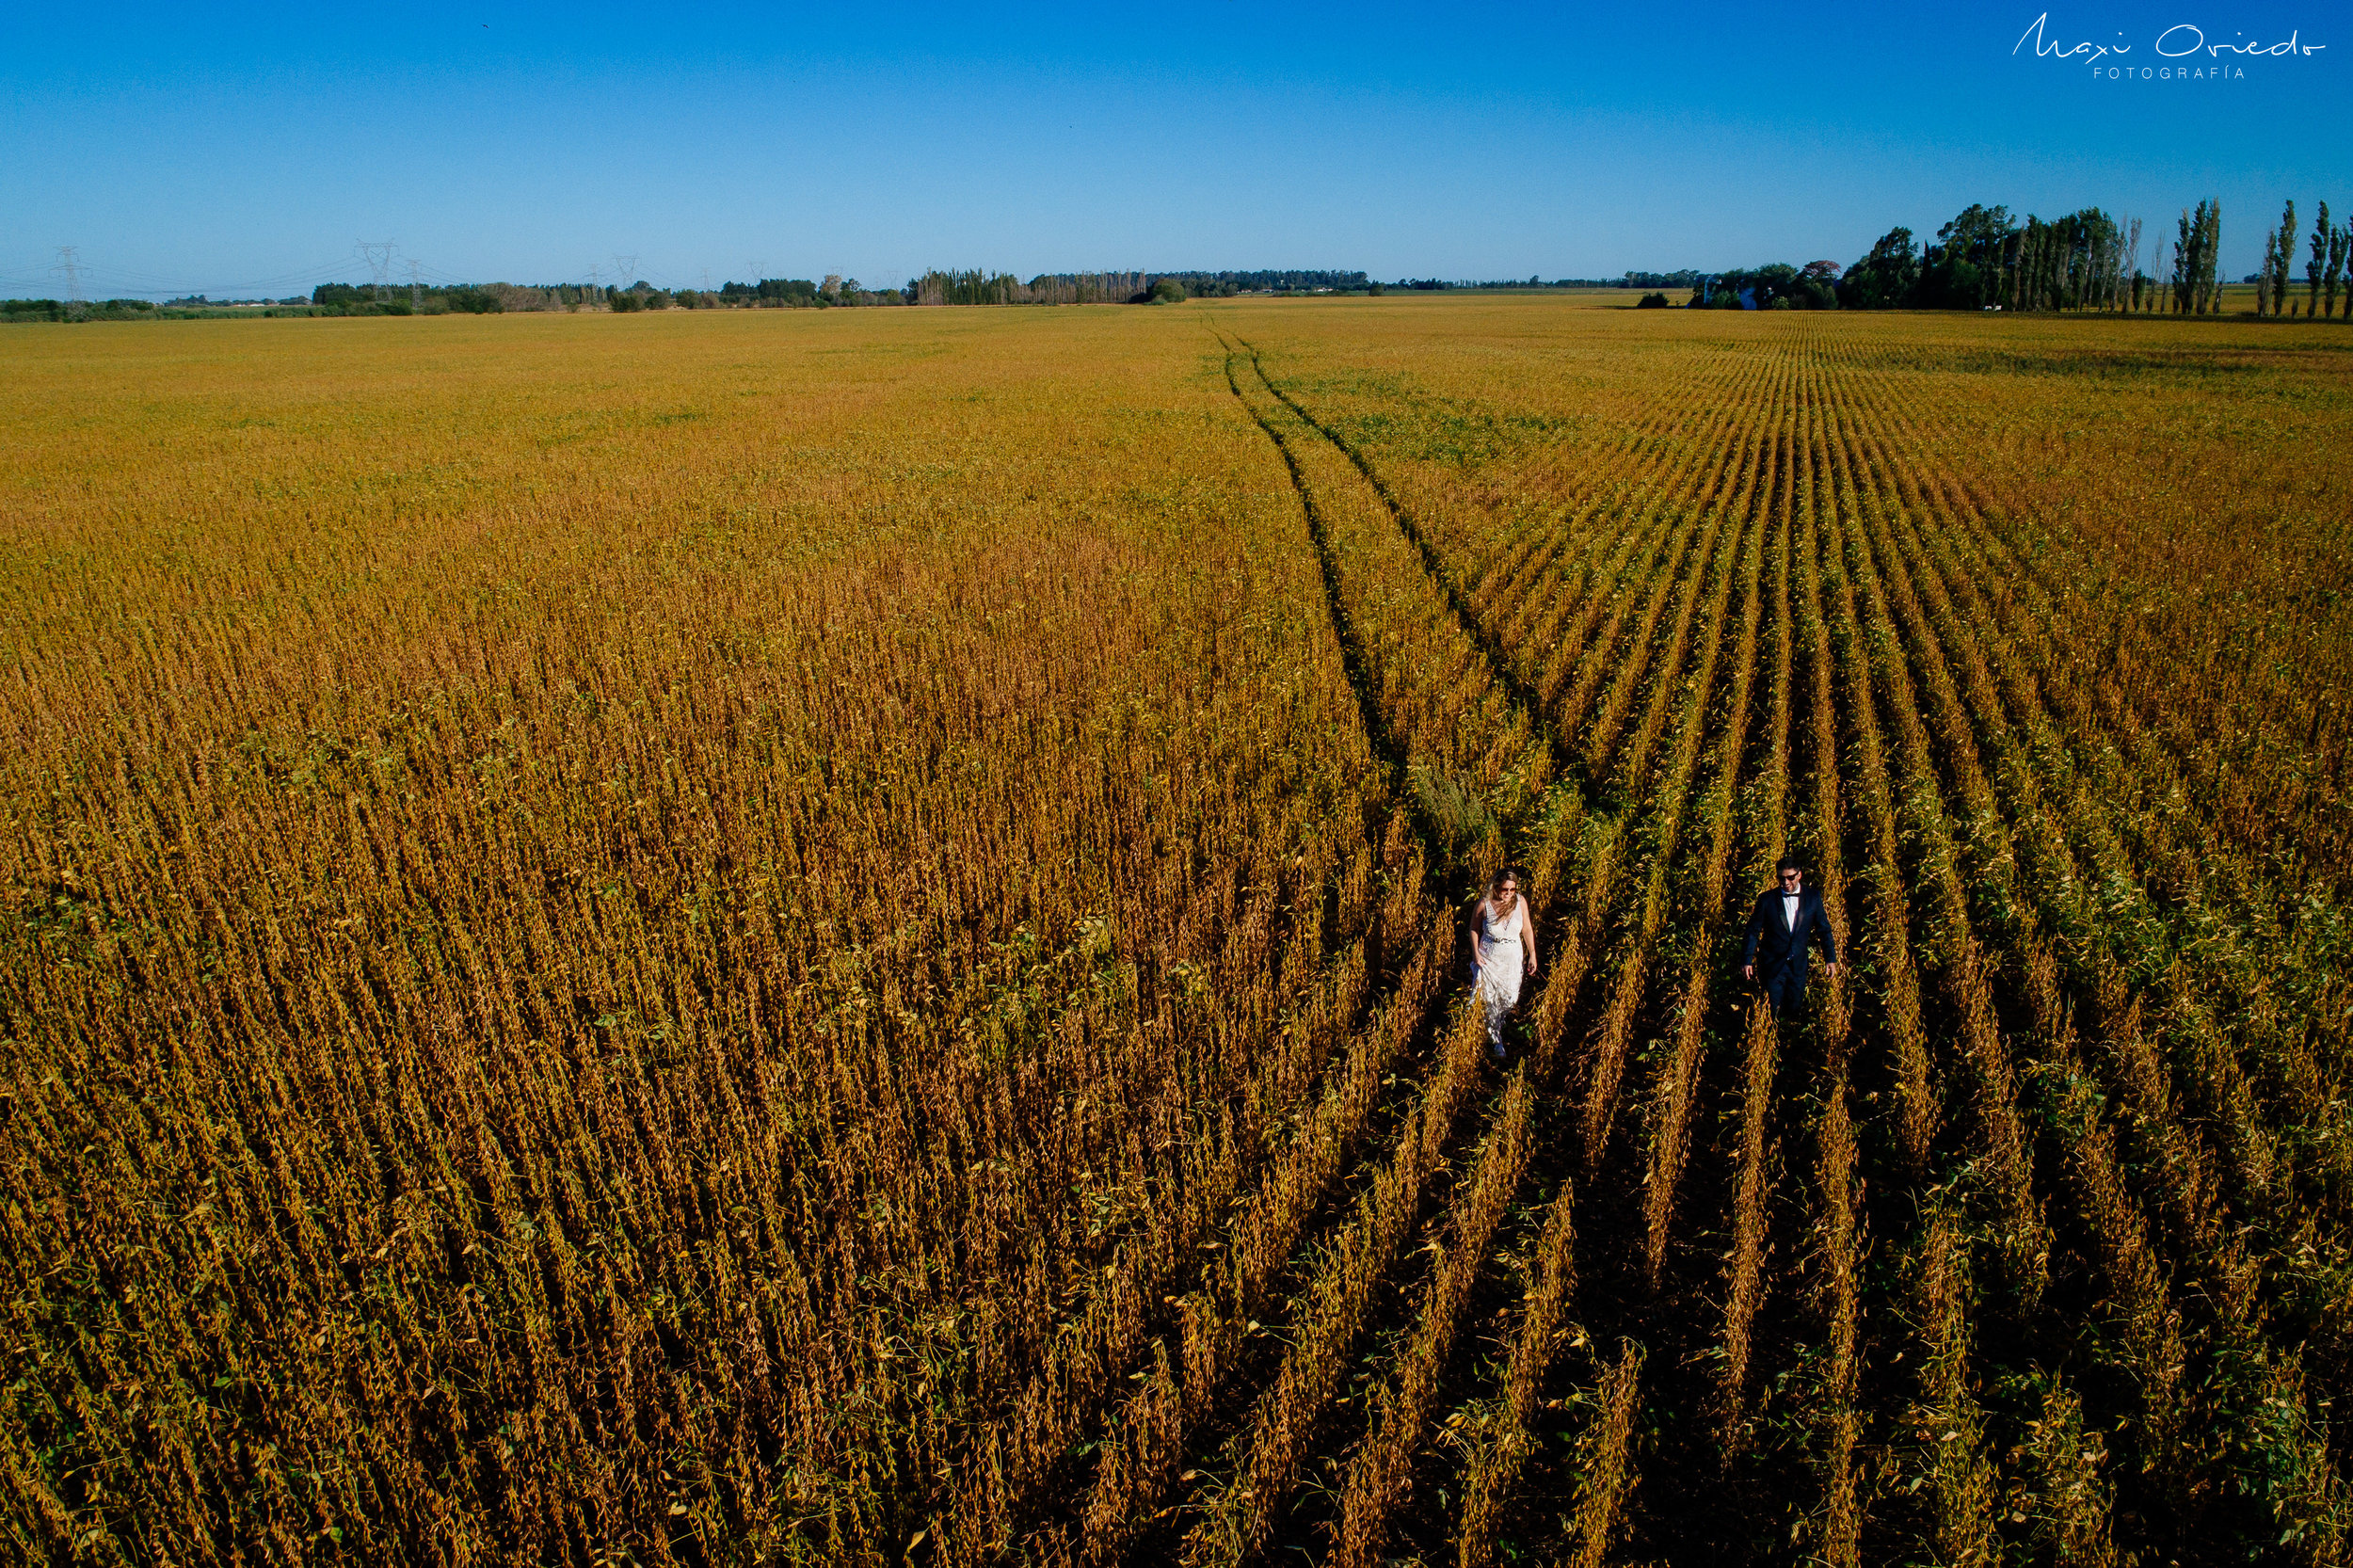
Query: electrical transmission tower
(70, 262)
(378, 255)
(596, 284)
(416, 288)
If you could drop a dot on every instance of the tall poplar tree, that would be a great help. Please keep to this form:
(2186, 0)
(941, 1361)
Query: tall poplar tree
(2282, 256)
(2315, 268)
(2209, 253)
(2184, 259)
(2194, 260)
(2193, 288)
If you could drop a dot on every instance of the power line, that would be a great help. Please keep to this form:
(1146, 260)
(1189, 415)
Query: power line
(70, 262)
(416, 288)
(378, 255)
(135, 282)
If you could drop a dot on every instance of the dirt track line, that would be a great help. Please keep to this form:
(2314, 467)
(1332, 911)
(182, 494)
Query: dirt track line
(1501, 668)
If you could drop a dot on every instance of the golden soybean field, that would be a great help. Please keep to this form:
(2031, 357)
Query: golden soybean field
(821, 937)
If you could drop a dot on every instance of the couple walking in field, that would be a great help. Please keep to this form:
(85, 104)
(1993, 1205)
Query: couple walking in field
(1787, 924)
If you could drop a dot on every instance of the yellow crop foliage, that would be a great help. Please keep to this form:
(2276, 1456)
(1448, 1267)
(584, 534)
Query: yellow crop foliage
(827, 937)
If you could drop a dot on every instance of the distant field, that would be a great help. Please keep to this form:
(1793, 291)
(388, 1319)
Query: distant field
(1590, 298)
(830, 936)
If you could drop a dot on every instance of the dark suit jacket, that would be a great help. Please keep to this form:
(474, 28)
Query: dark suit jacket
(1772, 946)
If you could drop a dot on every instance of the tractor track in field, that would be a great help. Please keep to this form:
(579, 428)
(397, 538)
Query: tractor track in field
(1386, 743)
(1500, 669)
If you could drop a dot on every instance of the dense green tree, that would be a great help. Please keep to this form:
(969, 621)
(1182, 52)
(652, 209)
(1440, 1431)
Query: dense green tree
(2069, 264)
(1774, 286)
(1963, 270)
(1887, 278)
(1817, 284)
(2198, 242)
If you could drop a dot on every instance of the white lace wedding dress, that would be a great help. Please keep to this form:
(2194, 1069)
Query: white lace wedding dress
(1501, 965)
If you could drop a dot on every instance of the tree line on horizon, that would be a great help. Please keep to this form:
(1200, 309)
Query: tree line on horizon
(973, 286)
(1983, 259)
(2327, 273)
(2091, 260)
(977, 286)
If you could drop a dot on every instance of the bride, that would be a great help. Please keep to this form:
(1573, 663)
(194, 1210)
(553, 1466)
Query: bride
(1503, 950)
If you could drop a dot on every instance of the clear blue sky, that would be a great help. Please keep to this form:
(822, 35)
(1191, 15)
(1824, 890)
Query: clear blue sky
(247, 149)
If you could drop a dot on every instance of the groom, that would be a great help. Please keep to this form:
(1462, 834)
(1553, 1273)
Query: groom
(1786, 921)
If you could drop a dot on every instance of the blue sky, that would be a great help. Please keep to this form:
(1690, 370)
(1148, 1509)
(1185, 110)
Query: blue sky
(246, 150)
